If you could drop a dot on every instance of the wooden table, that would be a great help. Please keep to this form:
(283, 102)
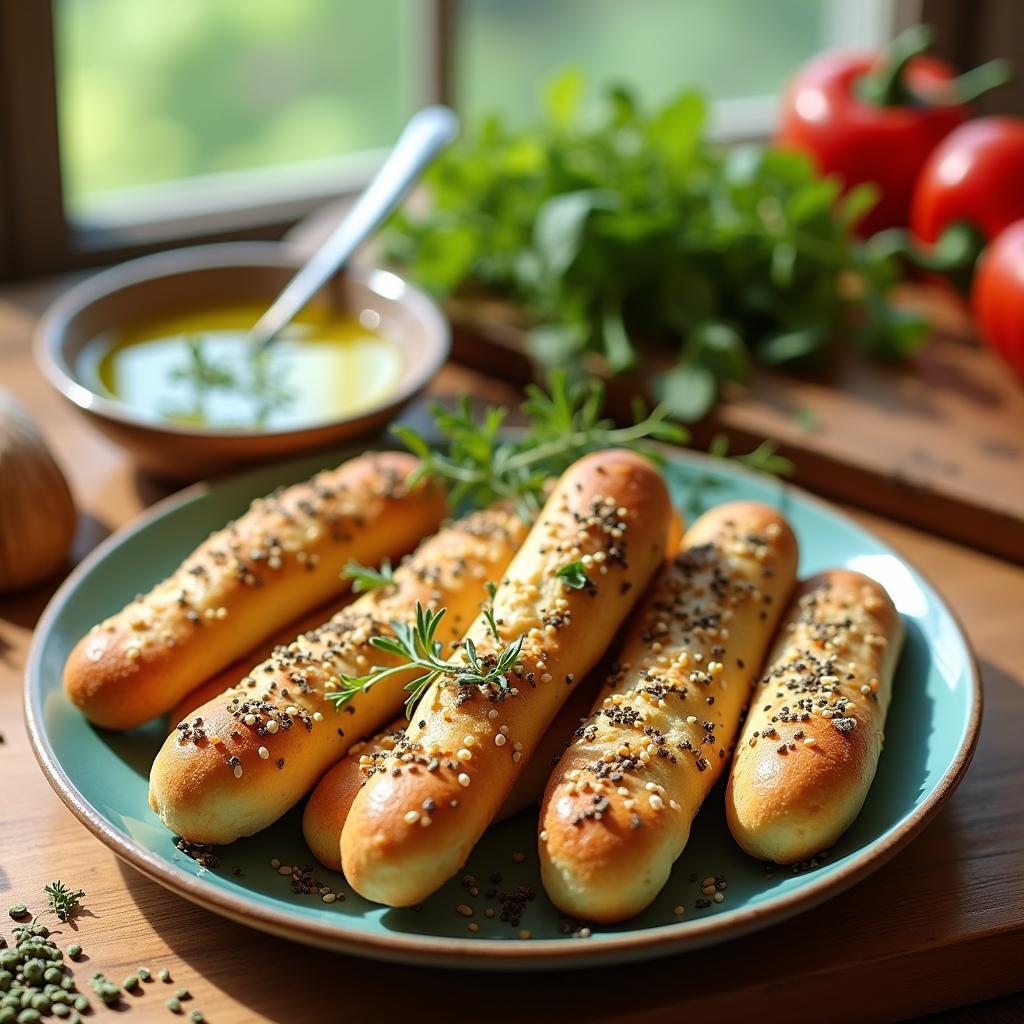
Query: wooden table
(941, 925)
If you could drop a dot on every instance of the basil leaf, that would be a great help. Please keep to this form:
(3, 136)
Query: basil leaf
(574, 576)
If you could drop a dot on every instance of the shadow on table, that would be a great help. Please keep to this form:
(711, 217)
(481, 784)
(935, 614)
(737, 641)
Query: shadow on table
(24, 607)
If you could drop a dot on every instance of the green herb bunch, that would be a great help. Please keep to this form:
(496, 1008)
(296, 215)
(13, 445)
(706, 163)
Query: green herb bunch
(635, 226)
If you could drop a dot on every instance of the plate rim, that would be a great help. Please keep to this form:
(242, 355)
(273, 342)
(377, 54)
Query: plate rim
(444, 951)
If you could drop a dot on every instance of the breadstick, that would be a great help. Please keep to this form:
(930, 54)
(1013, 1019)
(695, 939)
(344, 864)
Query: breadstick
(228, 677)
(618, 807)
(280, 559)
(331, 800)
(412, 826)
(252, 752)
(811, 742)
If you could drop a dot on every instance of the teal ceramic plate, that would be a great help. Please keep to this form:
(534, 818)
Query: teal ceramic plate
(102, 777)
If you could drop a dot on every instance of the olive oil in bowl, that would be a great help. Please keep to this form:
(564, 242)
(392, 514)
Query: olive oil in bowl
(202, 370)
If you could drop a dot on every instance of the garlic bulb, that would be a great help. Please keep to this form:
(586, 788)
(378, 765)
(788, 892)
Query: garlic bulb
(37, 513)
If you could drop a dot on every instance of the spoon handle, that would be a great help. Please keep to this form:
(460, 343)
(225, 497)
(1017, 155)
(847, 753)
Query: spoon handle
(428, 132)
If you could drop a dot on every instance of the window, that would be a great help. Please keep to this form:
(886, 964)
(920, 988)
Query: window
(130, 124)
(158, 102)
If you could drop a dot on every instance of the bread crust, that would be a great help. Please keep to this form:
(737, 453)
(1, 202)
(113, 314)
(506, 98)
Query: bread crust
(279, 560)
(413, 824)
(618, 807)
(811, 742)
(230, 676)
(277, 732)
(331, 800)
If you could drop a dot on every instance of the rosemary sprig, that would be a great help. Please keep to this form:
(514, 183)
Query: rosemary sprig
(480, 465)
(63, 899)
(574, 576)
(365, 578)
(416, 646)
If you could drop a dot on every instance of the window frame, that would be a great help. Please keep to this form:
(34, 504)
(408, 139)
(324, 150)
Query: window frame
(37, 237)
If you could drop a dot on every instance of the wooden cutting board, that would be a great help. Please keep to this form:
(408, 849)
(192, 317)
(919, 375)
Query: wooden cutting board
(937, 442)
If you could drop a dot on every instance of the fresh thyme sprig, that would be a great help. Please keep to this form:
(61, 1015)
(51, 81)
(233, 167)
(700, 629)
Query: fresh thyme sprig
(416, 646)
(574, 576)
(63, 899)
(365, 578)
(488, 610)
(764, 459)
(481, 464)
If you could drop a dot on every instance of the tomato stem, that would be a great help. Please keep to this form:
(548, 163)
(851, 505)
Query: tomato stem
(980, 80)
(953, 255)
(886, 84)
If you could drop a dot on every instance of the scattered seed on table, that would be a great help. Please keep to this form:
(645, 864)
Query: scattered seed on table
(183, 993)
(165, 974)
(196, 1017)
(130, 983)
(174, 1005)
(17, 910)
(74, 950)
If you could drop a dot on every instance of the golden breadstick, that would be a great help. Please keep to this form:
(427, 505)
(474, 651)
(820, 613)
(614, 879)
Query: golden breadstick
(811, 742)
(280, 559)
(412, 825)
(618, 807)
(331, 800)
(252, 752)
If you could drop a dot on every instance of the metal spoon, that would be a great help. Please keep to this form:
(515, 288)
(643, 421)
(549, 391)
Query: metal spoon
(428, 132)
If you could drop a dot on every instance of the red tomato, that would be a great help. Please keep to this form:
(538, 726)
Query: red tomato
(975, 175)
(860, 141)
(997, 295)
